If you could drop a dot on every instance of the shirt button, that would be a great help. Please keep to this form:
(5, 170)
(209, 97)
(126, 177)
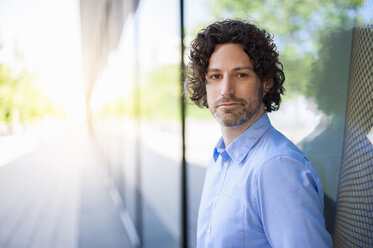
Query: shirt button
(215, 200)
(226, 164)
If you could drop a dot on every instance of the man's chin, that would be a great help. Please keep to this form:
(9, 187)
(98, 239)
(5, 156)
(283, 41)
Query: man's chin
(231, 121)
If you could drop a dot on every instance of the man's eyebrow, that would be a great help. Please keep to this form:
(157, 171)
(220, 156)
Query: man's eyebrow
(234, 69)
(243, 68)
(212, 69)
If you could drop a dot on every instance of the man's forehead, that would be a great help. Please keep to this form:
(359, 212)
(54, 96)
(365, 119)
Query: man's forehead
(229, 55)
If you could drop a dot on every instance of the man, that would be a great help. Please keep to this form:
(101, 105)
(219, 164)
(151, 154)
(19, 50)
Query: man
(260, 190)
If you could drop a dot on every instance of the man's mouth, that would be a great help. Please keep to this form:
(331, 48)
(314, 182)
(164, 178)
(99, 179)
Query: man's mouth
(229, 104)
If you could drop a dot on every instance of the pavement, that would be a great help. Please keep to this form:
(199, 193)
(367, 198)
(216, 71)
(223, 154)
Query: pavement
(56, 196)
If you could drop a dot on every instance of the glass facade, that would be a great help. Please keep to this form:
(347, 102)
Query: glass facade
(160, 127)
(326, 51)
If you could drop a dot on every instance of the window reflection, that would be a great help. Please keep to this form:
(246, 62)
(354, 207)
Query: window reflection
(328, 86)
(160, 125)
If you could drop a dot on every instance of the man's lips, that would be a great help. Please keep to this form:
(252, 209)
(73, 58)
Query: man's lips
(229, 104)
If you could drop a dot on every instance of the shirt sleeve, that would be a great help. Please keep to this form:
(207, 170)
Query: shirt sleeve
(290, 205)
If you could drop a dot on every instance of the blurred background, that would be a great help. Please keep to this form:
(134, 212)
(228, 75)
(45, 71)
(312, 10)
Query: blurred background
(100, 148)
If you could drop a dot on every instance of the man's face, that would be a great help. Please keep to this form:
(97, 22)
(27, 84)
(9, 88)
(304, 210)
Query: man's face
(234, 90)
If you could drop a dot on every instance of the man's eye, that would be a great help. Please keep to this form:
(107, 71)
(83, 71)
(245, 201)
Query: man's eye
(242, 75)
(215, 76)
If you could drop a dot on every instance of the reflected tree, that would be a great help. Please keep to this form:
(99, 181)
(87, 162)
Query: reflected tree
(298, 27)
(328, 86)
(159, 95)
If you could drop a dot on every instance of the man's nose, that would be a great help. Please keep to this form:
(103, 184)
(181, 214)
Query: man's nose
(227, 87)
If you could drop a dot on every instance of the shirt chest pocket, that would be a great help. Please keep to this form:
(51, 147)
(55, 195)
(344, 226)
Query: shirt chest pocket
(228, 222)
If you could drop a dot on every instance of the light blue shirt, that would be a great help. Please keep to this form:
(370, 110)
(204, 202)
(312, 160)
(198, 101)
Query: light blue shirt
(261, 191)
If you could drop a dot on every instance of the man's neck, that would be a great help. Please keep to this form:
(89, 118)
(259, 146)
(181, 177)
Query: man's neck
(231, 133)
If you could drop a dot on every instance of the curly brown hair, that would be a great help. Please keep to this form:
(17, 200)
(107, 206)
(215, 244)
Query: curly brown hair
(257, 44)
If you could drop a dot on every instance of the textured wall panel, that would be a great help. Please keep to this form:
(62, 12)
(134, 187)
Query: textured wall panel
(354, 219)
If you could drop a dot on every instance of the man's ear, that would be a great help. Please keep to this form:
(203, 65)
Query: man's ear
(267, 86)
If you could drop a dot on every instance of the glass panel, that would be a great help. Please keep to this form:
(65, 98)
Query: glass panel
(160, 128)
(124, 106)
(114, 119)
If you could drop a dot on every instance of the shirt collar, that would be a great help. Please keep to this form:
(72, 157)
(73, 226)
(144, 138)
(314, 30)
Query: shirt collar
(239, 148)
(219, 148)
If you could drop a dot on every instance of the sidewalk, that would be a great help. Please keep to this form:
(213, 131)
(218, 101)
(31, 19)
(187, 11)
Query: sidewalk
(55, 197)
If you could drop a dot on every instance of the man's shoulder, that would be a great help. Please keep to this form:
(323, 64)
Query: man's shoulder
(279, 154)
(274, 144)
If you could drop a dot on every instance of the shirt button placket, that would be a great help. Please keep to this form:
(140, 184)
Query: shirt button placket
(226, 163)
(215, 200)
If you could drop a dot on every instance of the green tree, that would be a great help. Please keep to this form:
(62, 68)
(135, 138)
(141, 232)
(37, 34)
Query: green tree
(159, 96)
(7, 91)
(19, 96)
(298, 27)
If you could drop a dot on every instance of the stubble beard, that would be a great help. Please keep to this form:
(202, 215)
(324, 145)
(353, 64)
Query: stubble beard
(234, 118)
(237, 117)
